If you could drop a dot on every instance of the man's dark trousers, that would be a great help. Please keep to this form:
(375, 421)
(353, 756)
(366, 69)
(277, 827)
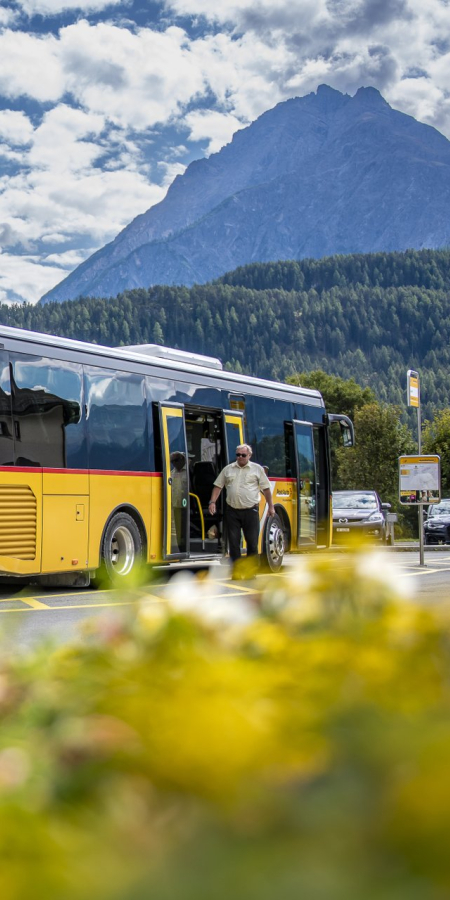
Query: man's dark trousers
(246, 520)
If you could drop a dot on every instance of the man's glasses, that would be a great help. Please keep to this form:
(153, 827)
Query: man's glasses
(242, 454)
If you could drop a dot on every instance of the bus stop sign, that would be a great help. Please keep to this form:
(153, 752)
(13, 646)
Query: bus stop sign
(419, 480)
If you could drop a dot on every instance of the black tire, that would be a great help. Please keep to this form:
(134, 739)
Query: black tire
(122, 552)
(273, 544)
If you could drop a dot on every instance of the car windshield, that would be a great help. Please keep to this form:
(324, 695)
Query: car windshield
(441, 509)
(354, 500)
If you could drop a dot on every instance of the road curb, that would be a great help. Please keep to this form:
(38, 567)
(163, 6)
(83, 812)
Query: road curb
(428, 548)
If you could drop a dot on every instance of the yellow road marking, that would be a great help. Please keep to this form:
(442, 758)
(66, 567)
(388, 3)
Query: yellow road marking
(236, 589)
(31, 601)
(36, 606)
(42, 608)
(422, 572)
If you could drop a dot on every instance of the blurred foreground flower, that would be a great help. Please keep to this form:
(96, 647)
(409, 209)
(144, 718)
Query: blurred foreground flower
(211, 748)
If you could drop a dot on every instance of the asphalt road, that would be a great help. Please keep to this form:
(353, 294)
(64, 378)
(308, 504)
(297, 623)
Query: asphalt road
(28, 615)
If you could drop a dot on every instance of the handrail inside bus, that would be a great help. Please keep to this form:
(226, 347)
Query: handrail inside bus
(202, 518)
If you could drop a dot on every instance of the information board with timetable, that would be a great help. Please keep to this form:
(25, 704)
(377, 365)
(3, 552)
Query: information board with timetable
(419, 479)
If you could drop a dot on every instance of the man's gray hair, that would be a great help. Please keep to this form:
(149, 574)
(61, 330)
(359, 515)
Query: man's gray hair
(245, 447)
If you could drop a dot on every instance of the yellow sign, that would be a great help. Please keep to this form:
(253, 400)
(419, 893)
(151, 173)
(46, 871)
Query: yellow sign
(413, 388)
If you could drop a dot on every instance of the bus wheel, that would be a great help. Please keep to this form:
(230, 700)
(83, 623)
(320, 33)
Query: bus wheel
(274, 544)
(122, 551)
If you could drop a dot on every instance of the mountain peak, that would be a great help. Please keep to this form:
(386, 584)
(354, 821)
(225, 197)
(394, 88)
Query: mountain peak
(316, 176)
(369, 96)
(328, 99)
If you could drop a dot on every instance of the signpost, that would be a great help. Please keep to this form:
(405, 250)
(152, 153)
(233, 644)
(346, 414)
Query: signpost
(419, 476)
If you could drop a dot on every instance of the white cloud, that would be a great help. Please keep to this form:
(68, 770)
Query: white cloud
(245, 75)
(7, 17)
(94, 204)
(170, 170)
(67, 260)
(53, 237)
(216, 127)
(91, 63)
(61, 141)
(53, 7)
(238, 10)
(418, 97)
(134, 79)
(15, 127)
(262, 16)
(81, 166)
(61, 195)
(30, 66)
(26, 277)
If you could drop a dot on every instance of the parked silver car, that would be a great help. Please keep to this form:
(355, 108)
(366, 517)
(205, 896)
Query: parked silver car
(359, 512)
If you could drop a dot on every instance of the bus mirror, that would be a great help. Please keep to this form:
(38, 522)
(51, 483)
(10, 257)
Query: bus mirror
(346, 426)
(347, 436)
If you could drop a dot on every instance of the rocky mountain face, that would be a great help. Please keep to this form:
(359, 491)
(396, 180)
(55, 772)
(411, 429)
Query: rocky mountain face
(315, 176)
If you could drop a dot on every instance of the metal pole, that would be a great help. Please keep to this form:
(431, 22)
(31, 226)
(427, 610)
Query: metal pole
(419, 429)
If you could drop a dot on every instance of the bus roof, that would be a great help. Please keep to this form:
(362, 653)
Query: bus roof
(211, 362)
(187, 363)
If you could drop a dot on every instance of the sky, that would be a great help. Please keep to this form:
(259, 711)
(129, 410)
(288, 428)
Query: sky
(104, 102)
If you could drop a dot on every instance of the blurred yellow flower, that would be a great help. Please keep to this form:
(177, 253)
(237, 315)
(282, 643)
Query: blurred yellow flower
(204, 747)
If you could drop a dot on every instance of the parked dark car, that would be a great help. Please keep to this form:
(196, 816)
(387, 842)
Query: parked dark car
(436, 529)
(359, 513)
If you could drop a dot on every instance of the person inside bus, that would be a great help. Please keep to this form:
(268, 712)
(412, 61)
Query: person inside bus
(179, 476)
(209, 447)
(244, 481)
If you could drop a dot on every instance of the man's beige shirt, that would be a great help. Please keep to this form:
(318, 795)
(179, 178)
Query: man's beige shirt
(243, 483)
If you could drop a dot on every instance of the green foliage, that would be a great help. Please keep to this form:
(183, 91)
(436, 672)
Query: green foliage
(369, 316)
(424, 268)
(436, 439)
(380, 438)
(341, 395)
(207, 748)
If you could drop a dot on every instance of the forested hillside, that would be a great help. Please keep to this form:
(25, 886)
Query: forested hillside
(367, 316)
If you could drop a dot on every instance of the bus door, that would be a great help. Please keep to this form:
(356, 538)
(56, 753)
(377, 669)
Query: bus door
(306, 484)
(176, 481)
(233, 429)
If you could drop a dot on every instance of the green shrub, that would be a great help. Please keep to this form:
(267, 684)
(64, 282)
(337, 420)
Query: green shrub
(293, 747)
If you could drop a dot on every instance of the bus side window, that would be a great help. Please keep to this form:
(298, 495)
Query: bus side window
(47, 398)
(6, 426)
(270, 416)
(117, 420)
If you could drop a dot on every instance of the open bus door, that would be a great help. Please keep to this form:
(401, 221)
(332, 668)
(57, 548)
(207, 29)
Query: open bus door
(175, 480)
(233, 428)
(306, 484)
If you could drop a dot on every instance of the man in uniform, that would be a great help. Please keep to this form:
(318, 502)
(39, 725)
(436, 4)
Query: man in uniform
(244, 482)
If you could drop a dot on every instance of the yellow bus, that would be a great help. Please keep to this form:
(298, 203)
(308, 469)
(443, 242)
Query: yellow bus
(108, 455)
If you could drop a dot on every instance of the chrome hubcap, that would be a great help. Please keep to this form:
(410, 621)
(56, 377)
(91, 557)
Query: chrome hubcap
(122, 551)
(276, 542)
